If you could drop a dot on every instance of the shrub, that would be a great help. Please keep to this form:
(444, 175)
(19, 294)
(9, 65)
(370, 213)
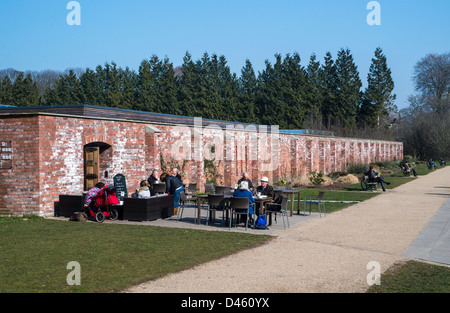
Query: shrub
(357, 168)
(316, 178)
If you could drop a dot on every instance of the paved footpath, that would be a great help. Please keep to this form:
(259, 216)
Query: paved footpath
(332, 254)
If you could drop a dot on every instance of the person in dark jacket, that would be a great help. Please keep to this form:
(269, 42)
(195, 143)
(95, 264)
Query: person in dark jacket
(373, 177)
(176, 174)
(173, 187)
(153, 178)
(247, 179)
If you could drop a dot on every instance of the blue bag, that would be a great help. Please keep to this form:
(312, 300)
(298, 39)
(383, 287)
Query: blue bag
(261, 222)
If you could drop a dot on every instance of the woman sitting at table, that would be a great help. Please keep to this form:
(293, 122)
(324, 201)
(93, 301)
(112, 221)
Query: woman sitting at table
(145, 191)
(243, 192)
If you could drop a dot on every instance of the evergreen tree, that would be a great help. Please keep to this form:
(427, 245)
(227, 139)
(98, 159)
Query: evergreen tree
(6, 90)
(268, 98)
(24, 91)
(348, 94)
(378, 99)
(67, 91)
(329, 95)
(314, 90)
(294, 81)
(228, 90)
(92, 91)
(246, 110)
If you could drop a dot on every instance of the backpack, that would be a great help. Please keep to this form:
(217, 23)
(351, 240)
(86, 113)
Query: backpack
(261, 222)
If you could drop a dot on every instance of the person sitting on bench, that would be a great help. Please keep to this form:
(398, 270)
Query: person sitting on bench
(408, 168)
(373, 177)
(431, 164)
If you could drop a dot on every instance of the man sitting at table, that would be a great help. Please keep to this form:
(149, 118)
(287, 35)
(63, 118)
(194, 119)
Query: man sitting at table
(243, 192)
(264, 190)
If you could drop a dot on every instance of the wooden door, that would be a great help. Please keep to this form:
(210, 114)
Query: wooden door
(91, 167)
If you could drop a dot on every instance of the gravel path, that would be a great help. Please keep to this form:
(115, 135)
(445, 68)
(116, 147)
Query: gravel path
(329, 254)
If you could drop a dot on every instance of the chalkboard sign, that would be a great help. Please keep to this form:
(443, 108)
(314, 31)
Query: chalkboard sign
(121, 186)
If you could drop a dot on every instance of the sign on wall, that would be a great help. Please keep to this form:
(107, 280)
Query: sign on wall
(5, 155)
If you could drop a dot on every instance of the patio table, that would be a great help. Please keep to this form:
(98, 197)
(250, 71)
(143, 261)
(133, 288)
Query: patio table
(292, 194)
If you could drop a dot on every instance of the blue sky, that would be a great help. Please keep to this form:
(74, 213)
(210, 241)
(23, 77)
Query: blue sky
(34, 35)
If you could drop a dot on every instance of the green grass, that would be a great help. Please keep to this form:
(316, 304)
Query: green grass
(414, 277)
(35, 253)
(335, 195)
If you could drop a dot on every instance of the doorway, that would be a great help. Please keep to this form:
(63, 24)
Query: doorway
(97, 157)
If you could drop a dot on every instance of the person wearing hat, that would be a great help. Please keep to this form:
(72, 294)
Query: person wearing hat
(265, 189)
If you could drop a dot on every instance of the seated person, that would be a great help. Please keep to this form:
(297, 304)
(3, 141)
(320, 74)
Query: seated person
(408, 168)
(92, 193)
(441, 162)
(145, 191)
(246, 179)
(373, 177)
(431, 164)
(265, 190)
(153, 178)
(173, 187)
(243, 192)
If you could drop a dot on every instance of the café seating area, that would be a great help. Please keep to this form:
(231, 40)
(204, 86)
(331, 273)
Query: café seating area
(216, 208)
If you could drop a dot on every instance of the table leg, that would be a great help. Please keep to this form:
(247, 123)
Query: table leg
(292, 203)
(298, 204)
(199, 209)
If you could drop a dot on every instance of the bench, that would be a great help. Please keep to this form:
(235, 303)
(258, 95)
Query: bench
(366, 185)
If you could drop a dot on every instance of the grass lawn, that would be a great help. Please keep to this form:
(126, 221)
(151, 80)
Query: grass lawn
(414, 277)
(35, 253)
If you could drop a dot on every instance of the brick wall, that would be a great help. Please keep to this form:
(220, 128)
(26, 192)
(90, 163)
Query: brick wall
(48, 155)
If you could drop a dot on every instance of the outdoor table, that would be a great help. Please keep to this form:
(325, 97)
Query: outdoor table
(262, 201)
(201, 198)
(292, 193)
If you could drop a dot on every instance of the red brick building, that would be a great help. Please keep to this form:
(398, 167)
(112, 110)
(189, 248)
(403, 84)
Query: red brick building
(48, 151)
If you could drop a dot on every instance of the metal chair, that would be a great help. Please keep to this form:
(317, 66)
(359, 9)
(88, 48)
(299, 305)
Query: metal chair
(209, 187)
(279, 208)
(313, 199)
(159, 188)
(183, 201)
(192, 188)
(222, 190)
(216, 203)
(240, 204)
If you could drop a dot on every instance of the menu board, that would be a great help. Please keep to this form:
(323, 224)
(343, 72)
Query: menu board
(121, 186)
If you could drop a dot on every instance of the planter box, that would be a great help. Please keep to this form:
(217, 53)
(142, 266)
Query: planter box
(150, 209)
(69, 204)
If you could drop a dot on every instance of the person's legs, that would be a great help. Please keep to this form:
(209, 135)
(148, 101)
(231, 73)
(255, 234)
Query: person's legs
(176, 200)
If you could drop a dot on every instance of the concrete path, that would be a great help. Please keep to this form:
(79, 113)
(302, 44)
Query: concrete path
(335, 253)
